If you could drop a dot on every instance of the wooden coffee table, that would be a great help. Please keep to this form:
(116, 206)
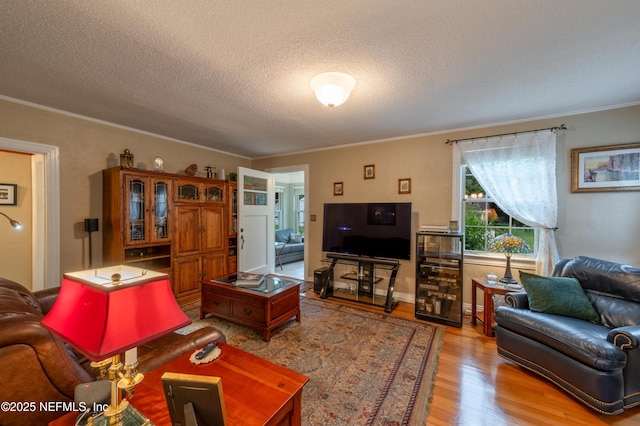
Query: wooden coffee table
(264, 308)
(256, 391)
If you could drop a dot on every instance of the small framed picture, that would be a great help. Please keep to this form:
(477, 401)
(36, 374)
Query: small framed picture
(370, 171)
(606, 168)
(8, 194)
(338, 188)
(404, 186)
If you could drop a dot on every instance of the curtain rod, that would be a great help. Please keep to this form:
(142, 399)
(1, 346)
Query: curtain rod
(560, 127)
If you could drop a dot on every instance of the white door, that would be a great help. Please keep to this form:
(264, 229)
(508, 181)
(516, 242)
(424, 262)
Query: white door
(256, 197)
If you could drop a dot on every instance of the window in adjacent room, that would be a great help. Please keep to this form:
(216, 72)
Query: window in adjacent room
(278, 214)
(484, 220)
(298, 208)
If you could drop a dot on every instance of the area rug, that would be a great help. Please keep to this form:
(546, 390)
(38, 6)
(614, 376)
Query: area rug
(365, 368)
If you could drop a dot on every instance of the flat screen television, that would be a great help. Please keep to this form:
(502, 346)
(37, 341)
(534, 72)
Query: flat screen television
(368, 229)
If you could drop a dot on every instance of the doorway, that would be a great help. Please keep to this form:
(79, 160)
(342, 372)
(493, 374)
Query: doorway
(46, 210)
(291, 214)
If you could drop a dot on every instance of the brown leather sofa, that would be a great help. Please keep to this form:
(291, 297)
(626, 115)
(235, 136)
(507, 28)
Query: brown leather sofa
(38, 367)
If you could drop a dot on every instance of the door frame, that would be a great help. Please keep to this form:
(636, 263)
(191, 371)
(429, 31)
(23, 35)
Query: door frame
(45, 175)
(305, 169)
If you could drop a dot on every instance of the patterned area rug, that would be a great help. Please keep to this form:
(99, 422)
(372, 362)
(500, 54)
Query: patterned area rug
(365, 368)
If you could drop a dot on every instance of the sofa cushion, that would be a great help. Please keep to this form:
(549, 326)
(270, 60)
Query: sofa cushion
(282, 235)
(615, 312)
(558, 295)
(581, 340)
(605, 277)
(295, 238)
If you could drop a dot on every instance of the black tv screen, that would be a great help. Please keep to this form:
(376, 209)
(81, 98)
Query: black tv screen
(368, 229)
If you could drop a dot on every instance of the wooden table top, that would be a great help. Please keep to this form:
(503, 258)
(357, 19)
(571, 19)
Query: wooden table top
(254, 389)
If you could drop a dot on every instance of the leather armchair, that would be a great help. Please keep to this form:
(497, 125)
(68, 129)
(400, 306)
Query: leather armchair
(598, 364)
(39, 367)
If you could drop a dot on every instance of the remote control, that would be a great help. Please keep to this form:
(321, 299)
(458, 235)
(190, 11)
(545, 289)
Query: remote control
(206, 350)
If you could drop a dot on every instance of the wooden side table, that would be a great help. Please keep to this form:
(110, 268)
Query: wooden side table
(488, 290)
(256, 391)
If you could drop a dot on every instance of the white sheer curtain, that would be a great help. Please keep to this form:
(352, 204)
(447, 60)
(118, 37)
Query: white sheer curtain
(519, 172)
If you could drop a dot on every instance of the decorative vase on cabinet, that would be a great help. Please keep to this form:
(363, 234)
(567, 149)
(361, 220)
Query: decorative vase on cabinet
(439, 262)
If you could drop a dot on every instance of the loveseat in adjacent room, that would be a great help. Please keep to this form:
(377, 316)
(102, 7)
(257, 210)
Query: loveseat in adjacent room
(293, 249)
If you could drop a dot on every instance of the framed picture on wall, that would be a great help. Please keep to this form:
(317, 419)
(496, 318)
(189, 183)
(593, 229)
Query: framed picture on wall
(370, 171)
(606, 168)
(404, 186)
(338, 188)
(8, 194)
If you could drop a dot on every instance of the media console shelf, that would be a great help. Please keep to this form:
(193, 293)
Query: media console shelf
(362, 284)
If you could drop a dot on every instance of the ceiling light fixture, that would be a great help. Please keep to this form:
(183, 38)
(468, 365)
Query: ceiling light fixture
(332, 88)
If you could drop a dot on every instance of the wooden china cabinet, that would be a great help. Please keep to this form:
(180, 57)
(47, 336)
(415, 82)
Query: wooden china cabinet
(200, 235)
(169, 223)
(136, 221)
(232, 206)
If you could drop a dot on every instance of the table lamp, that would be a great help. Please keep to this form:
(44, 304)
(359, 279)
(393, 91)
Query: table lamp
(508, 244)
(109, 311)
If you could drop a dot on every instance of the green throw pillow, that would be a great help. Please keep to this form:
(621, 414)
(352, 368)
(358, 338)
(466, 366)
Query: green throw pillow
(558, 295)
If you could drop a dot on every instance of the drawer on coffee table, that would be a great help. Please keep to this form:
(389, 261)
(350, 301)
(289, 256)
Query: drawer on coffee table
(249, 312)
(216, 303)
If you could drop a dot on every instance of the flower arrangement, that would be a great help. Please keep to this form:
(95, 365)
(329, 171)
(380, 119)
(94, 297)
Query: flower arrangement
(509, 243)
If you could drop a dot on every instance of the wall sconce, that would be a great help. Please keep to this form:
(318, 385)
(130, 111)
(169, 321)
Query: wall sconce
(13, 222)
(332, 88)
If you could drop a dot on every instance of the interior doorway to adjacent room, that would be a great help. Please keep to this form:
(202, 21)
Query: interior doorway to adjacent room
(290, 212)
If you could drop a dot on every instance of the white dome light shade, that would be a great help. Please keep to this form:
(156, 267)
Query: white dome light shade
(332, 88)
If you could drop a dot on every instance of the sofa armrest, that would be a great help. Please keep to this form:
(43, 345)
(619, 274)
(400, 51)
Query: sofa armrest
(517, 299)
(47, 298)
(625, 337)
(168, 347)
(55, 359)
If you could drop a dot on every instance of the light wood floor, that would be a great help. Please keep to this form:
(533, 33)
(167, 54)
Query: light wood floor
(474, 386)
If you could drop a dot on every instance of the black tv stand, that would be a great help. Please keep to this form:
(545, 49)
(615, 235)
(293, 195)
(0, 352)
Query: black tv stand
(362, 281)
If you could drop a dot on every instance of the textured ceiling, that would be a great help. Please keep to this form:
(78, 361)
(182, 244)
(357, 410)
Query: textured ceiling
(235, 75)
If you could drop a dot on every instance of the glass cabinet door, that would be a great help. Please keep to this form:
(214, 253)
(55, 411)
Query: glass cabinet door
(439, 277)
(136, 208)
(187, 191)
(160, 214)
(213, 192)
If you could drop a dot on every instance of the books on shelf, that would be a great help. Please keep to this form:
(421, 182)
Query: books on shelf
(249, 280)
(434, 228)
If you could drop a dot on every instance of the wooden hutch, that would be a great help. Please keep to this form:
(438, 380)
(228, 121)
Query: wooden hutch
(181, 225)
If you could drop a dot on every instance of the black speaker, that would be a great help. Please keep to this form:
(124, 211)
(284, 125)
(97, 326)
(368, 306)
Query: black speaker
(319, 277)
(91, 225)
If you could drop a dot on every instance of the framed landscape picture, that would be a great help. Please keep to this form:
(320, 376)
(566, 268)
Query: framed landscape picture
(606, 168)
(8, 194)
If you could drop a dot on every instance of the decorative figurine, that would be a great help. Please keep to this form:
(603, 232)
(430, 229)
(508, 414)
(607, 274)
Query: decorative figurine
(126, 159)
(158, 164)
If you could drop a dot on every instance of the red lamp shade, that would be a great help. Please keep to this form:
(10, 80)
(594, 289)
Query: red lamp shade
(102, 317)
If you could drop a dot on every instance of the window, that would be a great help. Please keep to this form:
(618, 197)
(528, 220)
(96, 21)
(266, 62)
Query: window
(484, 220)
(278, 215)
(298, 208)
